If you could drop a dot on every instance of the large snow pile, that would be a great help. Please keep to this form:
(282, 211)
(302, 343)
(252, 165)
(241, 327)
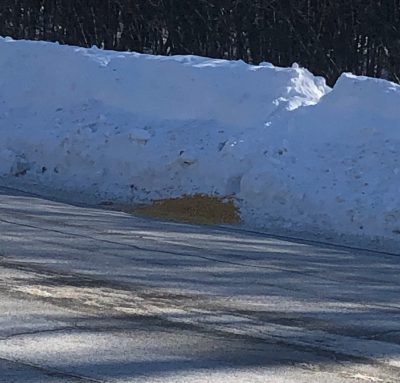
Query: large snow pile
(126, 126)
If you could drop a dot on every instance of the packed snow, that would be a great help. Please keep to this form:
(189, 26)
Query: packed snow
(295, 154)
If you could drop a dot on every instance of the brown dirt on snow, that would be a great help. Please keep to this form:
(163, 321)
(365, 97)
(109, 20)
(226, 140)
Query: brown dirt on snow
(197, 209)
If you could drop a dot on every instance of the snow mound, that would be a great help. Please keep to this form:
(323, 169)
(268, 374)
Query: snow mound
(125, 126)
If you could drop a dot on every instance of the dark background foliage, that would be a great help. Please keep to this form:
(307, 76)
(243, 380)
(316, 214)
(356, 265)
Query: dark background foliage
(326, 36)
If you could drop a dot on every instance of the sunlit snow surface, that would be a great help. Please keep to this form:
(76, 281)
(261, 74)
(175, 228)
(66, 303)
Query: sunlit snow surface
(136, 127)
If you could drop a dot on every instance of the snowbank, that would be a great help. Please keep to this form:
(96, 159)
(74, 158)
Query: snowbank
(136, 127)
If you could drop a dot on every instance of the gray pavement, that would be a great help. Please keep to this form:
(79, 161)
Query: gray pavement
(88, 295)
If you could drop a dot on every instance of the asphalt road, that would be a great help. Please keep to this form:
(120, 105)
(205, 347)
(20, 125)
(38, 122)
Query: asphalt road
(88, 295)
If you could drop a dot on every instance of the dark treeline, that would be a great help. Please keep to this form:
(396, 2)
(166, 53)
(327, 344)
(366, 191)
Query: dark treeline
(326, 36)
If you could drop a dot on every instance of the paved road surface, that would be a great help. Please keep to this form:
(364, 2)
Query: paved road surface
(89, 295)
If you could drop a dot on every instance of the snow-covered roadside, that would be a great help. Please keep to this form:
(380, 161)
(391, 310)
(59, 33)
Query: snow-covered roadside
(132, 127)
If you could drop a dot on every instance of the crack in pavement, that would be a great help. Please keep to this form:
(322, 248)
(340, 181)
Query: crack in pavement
(51, 372)
(36, 332)
(96, 238)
